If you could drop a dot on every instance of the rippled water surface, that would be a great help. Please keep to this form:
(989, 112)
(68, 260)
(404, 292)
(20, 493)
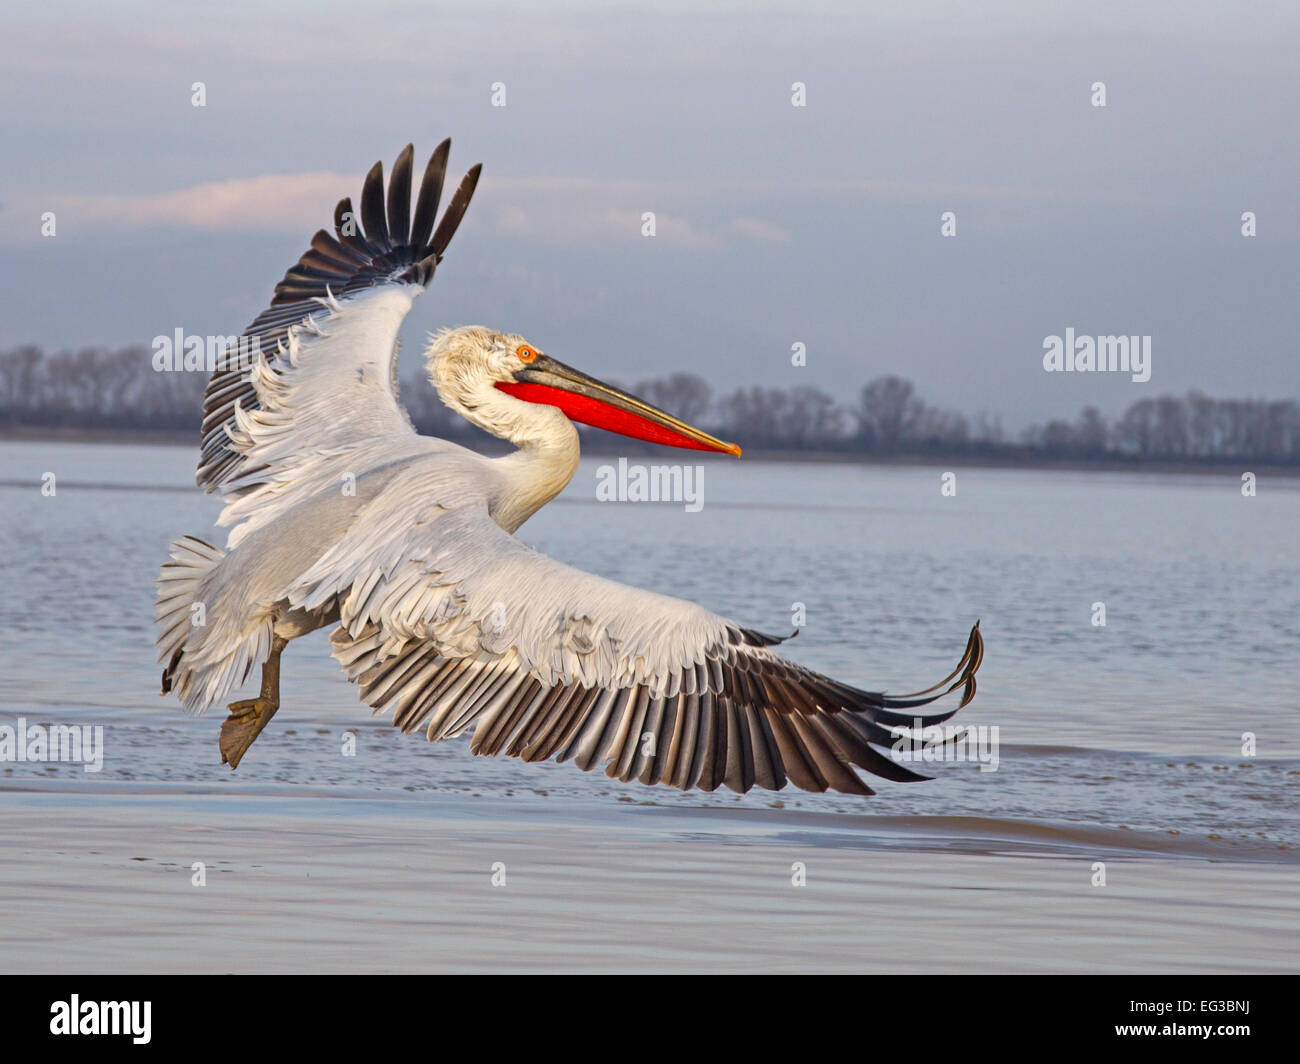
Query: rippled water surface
(1124, 740)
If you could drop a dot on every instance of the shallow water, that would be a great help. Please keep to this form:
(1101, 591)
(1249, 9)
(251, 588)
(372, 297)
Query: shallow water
(1117, 743)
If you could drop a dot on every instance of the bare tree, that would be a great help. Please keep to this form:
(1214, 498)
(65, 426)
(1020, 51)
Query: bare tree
(1092, 435)
(887, 412)
(683, 395)
(99, 387)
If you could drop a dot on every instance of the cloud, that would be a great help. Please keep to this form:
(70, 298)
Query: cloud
(558, 212)
(270, 203)
(574, 216)
(757, 229)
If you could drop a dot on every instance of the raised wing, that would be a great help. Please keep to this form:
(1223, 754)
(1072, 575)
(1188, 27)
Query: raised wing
(323, 375)
(450, 623)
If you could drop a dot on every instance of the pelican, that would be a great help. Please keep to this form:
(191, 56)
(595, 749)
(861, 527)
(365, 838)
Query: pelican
(344, 515)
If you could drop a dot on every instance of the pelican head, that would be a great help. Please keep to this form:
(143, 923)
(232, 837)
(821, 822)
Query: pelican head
(511, 388)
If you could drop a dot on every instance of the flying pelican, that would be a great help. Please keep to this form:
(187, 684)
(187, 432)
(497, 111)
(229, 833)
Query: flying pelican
(344, 515)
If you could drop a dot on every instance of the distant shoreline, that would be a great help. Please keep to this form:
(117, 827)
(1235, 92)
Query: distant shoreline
(179, 438)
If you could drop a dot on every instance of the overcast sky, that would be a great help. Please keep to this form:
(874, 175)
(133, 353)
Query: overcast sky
(775, 224)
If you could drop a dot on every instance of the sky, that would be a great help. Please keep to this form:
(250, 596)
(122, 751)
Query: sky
(775, 224)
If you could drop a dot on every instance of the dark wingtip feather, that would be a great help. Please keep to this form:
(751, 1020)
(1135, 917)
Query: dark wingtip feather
(399, 198)
(426, 208)
(372, 208)
(348, 227)
(455, 211)
(976, 648)
(762, 639)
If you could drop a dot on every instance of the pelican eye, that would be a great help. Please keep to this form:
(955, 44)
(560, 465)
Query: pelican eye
(525, 353)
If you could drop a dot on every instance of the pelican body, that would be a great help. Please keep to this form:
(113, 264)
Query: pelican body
(343, 515)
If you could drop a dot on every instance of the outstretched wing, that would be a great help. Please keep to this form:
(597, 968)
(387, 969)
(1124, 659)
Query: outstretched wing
(449, 623)
(322, 375)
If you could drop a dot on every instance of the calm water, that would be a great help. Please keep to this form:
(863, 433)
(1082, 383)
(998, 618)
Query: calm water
(1132, 727)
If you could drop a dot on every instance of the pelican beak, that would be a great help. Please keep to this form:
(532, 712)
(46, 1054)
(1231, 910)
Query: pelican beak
(592, 402)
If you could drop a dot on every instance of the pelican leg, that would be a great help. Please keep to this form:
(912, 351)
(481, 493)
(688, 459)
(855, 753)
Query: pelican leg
(249, 717)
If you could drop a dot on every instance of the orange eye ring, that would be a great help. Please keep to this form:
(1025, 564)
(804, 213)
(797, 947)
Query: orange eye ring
(525, 353)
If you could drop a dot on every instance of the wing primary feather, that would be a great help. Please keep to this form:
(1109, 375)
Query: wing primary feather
(970, 661)
(563, 727)
(773, 751)
(657, 763)
(383, 679)
(426, 207)
(627, 739)
(645, 753)
(470, 701)
(798, 767)
(542, 711)
(455, 212)
(855, 748)
(527, 698)
(718, 760)
(791, 698)
(498, 716)
(418, 691)
(540, 719)
(666, 763)
(739, 775)
(348, 227)
(710, 743)
(326, 263)
(589, 744)
(684, 758)
(826, 760)
(380, 678)
(325, 245)
(372, 208)
(760, 759)
(399, 198)
(439, 706)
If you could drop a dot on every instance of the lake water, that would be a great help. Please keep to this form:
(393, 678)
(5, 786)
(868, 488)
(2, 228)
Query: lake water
(1121, 744)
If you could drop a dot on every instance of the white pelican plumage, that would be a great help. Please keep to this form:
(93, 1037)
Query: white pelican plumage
(344, 515)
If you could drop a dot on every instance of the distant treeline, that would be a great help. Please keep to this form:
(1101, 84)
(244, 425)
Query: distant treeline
(97, 388)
